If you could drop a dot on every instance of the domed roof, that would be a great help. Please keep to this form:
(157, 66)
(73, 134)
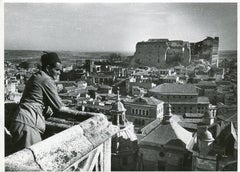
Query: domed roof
(168, 105)
(208, 114)
(118, 106)
(206, 136)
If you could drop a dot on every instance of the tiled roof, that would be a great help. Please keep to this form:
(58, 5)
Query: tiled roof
(162, 134)
(170, 77)
(152, 101)
(228, 117)
(91, 88)
(146, 100)
(193, 115)
(148, 128)
(203, 100)
(174, 88)
(206, 83)
(104, 86)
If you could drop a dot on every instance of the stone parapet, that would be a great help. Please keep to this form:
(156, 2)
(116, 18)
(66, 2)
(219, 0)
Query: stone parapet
(79, 144)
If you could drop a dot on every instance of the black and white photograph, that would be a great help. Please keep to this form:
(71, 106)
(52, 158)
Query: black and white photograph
(120, 86)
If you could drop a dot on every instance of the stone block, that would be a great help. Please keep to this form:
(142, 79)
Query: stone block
(62, 150)
(94, 124)
(23, 160)
(101, 136)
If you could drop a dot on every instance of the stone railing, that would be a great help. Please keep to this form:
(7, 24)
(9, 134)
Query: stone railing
(82, 147)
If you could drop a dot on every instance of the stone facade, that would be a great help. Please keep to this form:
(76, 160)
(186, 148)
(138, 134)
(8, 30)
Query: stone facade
(206, 49)
(161, 53)
(183, 98)
(165, 53)
(143, 110)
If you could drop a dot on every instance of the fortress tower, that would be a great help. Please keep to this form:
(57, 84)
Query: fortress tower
(162, 53)
(206, 49)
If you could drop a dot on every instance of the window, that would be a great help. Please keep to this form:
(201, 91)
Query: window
(143, 112)
(132, 111)
(136, 111)
(147, 112)
(140, 112)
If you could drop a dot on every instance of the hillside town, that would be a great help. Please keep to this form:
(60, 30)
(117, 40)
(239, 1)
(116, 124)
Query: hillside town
(173, 115)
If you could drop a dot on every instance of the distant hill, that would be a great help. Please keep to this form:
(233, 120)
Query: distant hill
(33, 56)
(228, 54)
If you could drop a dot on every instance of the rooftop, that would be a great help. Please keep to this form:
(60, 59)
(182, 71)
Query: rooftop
(203, 100)
(207, 83)
(163, 134)
(145, 100)
(193, 115)
(175, 88)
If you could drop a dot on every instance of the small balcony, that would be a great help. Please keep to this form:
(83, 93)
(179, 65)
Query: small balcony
(81, 143)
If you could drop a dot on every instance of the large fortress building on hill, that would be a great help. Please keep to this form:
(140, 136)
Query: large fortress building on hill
(206, 49)
(164, 53)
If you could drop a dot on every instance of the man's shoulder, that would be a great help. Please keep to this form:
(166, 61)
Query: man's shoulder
(42, 77)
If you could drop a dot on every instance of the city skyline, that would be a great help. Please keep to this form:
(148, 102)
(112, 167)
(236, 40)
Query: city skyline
(117, 26)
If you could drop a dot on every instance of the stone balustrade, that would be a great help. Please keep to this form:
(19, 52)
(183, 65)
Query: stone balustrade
(85, 146)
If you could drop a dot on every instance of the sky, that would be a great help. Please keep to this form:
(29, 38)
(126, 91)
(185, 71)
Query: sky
(115, 26)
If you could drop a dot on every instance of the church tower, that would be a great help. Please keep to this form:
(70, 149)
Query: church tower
(124, 143)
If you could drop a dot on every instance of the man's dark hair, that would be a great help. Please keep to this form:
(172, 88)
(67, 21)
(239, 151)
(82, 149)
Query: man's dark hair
(49, 59)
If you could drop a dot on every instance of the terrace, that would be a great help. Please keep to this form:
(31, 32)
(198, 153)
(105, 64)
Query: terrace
(79, 143)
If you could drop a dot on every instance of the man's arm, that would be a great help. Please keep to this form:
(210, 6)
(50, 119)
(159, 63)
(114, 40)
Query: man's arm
(55, 102)
(66, 112)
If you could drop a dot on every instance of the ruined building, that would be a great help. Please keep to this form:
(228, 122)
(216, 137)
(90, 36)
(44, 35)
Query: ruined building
(164, 53)
(206, 49)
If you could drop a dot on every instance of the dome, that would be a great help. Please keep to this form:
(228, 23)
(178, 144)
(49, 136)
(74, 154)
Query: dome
(118, 106)
(168, 105)
(208, 114)
(206, 136)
